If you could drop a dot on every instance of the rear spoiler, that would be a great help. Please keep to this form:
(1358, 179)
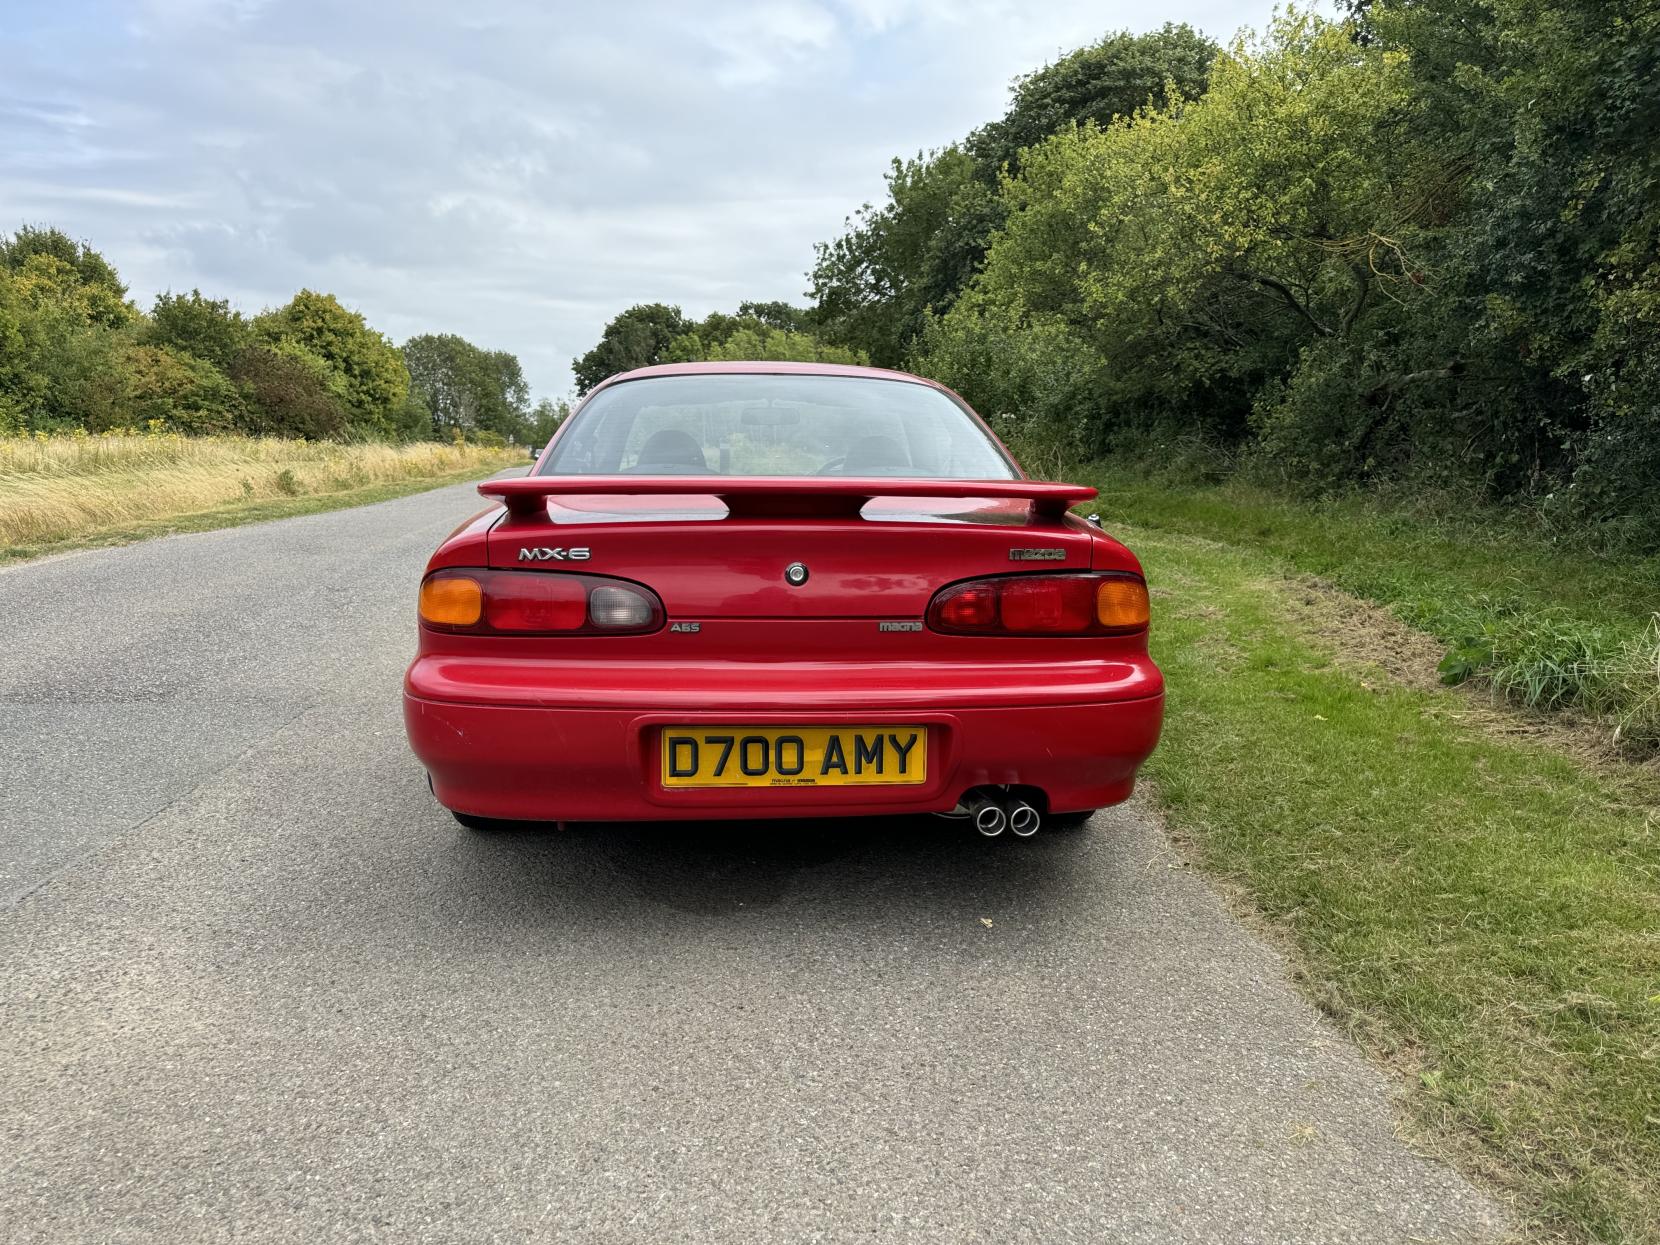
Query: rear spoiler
(778, 496)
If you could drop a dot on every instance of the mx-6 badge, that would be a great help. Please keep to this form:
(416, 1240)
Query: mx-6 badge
(544, 553)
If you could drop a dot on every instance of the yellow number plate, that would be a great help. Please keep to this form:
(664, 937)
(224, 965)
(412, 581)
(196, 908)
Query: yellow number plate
(796, 756)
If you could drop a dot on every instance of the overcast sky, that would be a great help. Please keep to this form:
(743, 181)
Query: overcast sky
(511, 170)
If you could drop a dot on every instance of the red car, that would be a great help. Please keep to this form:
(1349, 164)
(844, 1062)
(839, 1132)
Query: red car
(780, 590)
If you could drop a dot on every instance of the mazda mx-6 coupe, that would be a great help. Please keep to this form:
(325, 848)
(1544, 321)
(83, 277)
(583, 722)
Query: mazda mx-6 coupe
(780, 590)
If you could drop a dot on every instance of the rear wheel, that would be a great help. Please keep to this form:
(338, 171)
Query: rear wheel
(1068, 821)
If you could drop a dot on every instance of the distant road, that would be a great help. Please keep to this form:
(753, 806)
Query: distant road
(254, 983)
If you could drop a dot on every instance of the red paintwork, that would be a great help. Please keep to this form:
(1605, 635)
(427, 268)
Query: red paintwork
(565, 728)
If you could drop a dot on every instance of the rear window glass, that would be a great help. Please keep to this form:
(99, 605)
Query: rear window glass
(769, 425)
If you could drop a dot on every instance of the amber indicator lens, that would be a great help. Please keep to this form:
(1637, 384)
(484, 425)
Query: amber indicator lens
(451, 601)
(1121, 604)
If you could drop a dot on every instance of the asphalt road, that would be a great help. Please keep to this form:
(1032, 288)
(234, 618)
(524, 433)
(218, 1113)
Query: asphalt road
(255, 984)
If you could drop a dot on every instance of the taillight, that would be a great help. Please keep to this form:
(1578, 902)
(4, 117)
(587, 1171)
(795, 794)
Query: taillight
(480, 602)
(1107, 603)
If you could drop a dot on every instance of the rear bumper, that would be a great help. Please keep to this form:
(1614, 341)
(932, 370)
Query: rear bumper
(548, 763)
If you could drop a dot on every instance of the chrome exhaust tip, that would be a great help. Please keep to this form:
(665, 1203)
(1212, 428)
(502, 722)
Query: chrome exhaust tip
(989, 819)
(1024, 820)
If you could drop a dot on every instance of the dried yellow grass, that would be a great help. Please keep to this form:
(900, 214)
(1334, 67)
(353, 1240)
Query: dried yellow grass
(60, 488)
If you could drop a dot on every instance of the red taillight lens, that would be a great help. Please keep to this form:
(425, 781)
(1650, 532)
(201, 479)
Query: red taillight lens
(478, 602)
(1049, 603)
(535, 603)
(1109, 603)
(969, 607)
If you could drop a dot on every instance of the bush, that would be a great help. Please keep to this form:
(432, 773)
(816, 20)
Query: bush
(162, 385)
(208, 328)
(288, 396)
(361, 367)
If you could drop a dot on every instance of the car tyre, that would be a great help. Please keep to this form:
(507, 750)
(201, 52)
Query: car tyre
(1068, 821)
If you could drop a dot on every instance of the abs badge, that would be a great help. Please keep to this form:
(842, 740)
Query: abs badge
(1037, 555)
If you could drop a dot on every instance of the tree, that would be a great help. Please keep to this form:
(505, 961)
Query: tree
(1546, 114)
(74, 354)
(545, 418)
(186, 392)
(288, 395)
(57, 369)
(69, 271)
(1102, 83)
(915, 253)
(872, 285)
(758, 331)
(778, 315)
(468, 389)
(636, 338)
(208, 328)
(1188, 260)
(363, 368)
(20, 383)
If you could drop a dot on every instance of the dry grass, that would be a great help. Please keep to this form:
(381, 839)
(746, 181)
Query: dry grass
(63, 488)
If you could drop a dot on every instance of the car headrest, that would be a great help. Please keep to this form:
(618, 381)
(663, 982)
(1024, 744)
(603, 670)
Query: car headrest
(672, 447)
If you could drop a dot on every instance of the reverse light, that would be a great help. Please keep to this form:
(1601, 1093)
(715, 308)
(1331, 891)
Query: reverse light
(615, 609)
(1103, 603)
(480, 602)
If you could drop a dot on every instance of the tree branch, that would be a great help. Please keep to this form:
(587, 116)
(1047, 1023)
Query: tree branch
(1292, 301)
(1361, 299)
(1389, 386)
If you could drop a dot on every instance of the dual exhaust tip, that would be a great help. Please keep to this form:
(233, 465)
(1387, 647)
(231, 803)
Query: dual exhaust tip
(992, 815)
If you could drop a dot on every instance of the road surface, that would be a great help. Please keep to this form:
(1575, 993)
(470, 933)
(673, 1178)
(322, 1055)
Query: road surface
(257, 985)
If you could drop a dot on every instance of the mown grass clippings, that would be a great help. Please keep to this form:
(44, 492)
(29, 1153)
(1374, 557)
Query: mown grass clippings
(1517, 606)
(1481, 911)
(70, 492)
(1372, 641)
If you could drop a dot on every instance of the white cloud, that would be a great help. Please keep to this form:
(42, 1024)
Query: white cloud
(510, 170)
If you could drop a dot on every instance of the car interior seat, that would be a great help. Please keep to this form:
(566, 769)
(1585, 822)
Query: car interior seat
(672, 451)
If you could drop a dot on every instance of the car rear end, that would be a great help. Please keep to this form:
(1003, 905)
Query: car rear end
(659, 648)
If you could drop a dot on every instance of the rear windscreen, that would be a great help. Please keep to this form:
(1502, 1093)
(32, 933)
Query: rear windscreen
(745, 424)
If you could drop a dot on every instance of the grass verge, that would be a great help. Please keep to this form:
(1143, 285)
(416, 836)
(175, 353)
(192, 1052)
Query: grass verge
(1481, 912)
(1550, 623)
(71, 493)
